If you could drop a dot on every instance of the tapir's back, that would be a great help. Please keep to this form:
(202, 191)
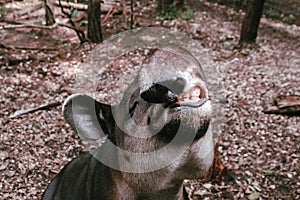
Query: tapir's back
(80, 179)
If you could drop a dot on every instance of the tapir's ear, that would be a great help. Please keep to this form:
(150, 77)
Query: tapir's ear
(89, 118)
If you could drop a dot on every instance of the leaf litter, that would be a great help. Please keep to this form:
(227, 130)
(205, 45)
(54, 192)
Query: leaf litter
(260, 151)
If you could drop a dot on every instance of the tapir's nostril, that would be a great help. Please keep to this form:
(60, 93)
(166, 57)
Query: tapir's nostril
(164, 92)
(159, 94)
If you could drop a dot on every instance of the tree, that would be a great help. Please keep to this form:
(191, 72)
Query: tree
(94, 21)
(165, 6)
(49, 12)
(251, 21)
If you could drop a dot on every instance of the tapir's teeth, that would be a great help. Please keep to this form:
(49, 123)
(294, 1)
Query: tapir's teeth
(190, 96)
(195, 92)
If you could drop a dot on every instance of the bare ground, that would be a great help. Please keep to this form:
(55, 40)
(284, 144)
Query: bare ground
(262, 151)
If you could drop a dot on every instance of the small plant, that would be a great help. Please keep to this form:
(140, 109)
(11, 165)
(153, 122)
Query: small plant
(173, 13)
(74, 13)
(272, 13)
(238, 4)
(253, 189)
(275, 14)
(4, 10)
(290, 19)
(187, 14)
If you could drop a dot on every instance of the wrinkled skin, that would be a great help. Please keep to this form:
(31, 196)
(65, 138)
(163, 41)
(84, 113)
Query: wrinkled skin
(167, 105)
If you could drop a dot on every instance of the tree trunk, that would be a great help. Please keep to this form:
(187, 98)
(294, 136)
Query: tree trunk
(179, 4)
(164, 5)
(251, 21)
(49, 12)
(131, 14)
(94, 21)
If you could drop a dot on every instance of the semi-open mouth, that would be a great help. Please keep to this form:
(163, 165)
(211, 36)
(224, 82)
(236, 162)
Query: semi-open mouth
(194, 98)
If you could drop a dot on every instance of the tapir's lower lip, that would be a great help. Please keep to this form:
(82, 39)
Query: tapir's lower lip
(195, 104)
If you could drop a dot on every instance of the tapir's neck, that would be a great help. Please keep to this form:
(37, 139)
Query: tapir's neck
(169, 168)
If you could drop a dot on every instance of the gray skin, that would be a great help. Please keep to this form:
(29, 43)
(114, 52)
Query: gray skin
(155, 138)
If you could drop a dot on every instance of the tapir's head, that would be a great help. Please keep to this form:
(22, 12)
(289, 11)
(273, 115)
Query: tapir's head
(169, 92)
(168, 95)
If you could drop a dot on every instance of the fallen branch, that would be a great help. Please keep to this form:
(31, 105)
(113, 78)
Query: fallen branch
(3, 46)
(14, 26)
(105, 8)
(286, 105)
(12, 61)
(29, 10)
(28, 48)
(31, 110)
(69, 5)
(8, 21)
(36, 48)
(68, 26)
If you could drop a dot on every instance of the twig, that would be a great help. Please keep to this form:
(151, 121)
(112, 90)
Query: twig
(31, 110)
(80, 33)
(109, 13)
(112, 11)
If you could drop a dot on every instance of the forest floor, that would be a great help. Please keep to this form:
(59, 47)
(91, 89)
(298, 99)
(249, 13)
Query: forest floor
(261, 151)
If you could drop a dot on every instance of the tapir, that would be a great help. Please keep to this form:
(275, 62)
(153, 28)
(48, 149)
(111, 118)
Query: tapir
(155, 138)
